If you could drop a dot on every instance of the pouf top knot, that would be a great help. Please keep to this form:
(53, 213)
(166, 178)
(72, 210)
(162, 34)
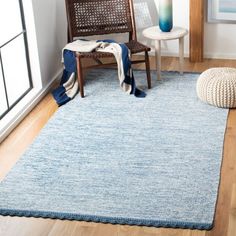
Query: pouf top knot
(217, 86)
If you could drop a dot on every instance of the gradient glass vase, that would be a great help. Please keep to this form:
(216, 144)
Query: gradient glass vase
(165, 15)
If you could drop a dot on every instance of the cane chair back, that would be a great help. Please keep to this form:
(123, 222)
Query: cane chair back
(99, 17)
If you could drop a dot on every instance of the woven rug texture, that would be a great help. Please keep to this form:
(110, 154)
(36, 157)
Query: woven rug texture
(115, 158)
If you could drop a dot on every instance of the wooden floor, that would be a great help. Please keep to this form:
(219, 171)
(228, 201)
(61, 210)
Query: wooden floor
(12, 148)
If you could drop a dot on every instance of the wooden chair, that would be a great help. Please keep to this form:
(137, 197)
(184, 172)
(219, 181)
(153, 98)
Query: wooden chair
(100, 17)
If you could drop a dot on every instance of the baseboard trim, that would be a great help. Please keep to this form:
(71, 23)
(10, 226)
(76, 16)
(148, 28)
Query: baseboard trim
(37, 97)
(166, 54)
(227, 56)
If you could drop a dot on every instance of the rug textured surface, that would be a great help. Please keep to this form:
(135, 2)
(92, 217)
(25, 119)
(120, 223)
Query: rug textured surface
(115, 158)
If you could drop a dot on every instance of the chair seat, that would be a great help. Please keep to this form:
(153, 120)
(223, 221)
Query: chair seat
(135, 47)
(94, 54)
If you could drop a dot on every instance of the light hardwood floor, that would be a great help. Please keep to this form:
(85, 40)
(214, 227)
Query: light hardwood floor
(16, 143)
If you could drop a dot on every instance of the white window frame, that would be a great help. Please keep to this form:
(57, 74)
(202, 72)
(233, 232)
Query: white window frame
(20, 110)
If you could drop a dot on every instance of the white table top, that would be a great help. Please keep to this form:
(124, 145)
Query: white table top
(154, 32)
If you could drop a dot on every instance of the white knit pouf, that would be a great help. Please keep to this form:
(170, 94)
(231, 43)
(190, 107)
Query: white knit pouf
(217, 86)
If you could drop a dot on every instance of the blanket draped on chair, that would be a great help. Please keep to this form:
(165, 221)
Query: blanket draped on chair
(69, 85)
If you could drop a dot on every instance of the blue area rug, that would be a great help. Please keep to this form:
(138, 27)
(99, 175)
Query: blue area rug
(115, 158)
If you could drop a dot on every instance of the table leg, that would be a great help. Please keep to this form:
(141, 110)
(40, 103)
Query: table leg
(181, 55)
(158, 58)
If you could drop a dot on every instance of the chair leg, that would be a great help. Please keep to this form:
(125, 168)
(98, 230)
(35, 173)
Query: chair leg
(80, 76)
(148, 70)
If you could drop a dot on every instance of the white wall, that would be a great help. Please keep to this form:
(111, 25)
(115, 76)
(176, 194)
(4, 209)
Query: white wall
(50, 23)
(220, 41)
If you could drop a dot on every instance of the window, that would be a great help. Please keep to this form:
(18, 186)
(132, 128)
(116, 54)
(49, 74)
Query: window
(15, 73)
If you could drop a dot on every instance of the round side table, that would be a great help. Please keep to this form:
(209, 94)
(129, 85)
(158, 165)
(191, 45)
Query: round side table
(156, 34)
